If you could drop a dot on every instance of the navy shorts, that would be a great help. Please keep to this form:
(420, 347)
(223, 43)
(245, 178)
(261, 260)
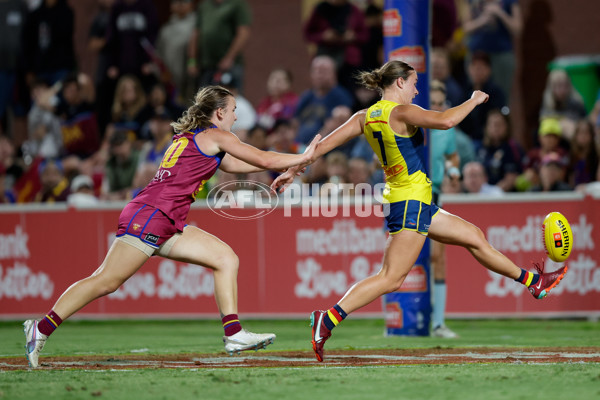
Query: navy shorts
(147, 223)
(411, 215)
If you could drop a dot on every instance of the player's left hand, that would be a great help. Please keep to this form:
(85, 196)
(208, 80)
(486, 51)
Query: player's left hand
(309, 153)
(284, 180)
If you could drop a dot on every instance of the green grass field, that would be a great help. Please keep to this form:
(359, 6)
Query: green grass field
(565, 380)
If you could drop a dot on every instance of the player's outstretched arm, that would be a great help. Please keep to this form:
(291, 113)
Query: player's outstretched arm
(415, 115)
(348, 130)
(244, 158)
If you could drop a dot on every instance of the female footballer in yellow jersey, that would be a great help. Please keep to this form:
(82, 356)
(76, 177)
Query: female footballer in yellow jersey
(392, 127)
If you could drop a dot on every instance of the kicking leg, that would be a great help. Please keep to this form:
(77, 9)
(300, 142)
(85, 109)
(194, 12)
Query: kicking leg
(450, 229)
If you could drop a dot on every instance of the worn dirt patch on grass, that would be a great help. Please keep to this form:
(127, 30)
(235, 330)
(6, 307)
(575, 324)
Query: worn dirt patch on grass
(334, 358)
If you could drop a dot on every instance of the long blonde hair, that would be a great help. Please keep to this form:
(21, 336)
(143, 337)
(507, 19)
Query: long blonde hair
(208, 100)
(385, 76)
(120, 109)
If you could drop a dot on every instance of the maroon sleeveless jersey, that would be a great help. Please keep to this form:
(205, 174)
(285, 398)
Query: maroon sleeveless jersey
(181, 175)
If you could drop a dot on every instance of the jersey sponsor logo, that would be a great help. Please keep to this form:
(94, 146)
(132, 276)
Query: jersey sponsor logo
(413, 55)
(375, 113)
(161, 175)
(393, 170)
(392, 23)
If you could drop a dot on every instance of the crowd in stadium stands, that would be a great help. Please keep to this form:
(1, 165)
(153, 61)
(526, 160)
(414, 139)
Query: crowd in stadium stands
(92, 138)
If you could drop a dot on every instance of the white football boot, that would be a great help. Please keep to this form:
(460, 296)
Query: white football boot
(443, 331)
(244, 340)
(34, 342)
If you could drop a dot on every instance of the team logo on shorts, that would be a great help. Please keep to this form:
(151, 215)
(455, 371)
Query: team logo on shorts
(152, 238)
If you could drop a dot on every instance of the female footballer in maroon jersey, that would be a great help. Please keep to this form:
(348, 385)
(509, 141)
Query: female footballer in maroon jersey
(153, 223)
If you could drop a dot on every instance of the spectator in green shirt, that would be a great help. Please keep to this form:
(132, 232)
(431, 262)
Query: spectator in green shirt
(222, 30)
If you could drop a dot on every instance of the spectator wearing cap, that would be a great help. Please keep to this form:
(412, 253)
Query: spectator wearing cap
(549, 134)
(479, 72)
(55, 186)
(82, 192)
(120, 167)
(553, 171)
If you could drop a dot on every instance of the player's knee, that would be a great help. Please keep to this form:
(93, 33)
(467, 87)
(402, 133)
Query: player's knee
(108, 286)
(392, 282)
(476, 239)
(229, 261)
(395, 285)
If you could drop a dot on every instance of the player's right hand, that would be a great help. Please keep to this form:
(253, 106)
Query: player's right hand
(480, 97)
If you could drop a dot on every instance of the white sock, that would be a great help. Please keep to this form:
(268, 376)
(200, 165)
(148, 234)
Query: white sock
(439, 303)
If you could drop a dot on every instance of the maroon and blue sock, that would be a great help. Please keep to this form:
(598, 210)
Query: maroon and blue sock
(231, 324)
(334, 316)
(49, 323)
(528, 278)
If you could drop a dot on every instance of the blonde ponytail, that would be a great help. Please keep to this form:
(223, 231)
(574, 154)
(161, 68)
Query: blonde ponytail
(208, 100)
(385, 76)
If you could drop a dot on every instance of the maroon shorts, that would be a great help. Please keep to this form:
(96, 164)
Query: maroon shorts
(147, 223)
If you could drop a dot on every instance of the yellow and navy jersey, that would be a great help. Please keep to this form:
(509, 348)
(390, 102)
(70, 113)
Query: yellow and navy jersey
(400, 155)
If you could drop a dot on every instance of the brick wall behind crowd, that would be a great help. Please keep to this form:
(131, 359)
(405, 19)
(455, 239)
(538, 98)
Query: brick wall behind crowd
(552, 28)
